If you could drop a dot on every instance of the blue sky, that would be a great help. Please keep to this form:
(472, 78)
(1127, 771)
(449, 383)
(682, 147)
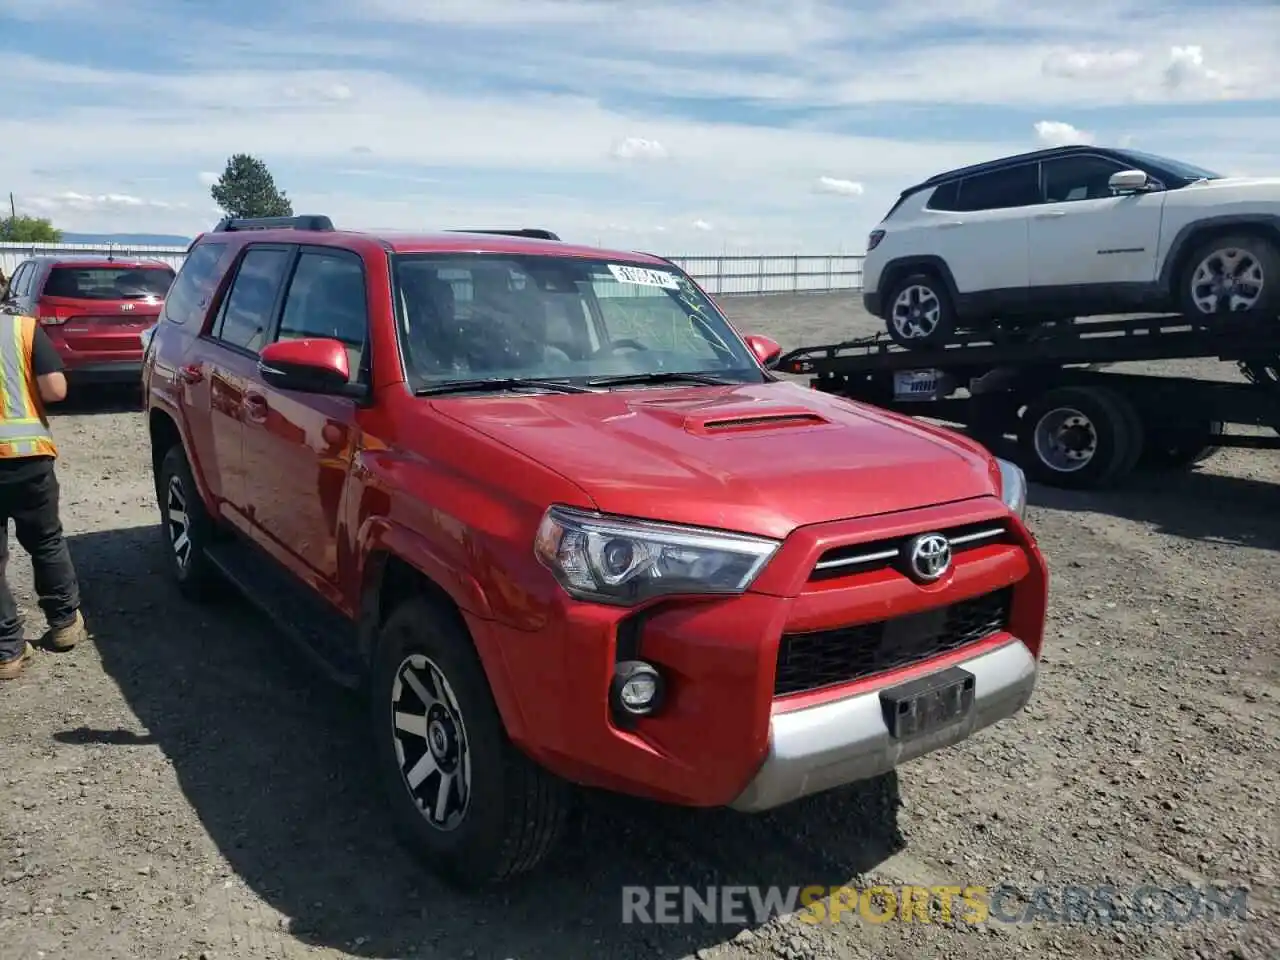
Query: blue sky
(679, 126)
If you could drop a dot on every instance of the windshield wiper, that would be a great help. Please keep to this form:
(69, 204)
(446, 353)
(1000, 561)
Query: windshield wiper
(660, 376)
(499, 383)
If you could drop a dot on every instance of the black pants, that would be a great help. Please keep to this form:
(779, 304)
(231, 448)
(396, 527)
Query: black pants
(32, 504)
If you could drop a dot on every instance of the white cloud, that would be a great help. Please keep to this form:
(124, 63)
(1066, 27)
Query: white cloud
(71, 200)
(1090, 64)
(638, 148)
(702, 225)
(841, 188)
(208, 178)
(1055, 133)
(1187, 68)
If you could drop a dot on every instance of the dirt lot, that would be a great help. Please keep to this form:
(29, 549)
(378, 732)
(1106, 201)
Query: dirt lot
(183, 788)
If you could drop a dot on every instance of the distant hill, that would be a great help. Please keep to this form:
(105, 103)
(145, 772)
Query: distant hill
(128, 239)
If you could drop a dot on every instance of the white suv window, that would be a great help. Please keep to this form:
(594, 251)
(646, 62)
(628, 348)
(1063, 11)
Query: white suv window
(1001, 189)
(1078, 178)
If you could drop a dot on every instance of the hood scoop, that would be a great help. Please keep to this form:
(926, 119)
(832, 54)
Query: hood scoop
(753, 421)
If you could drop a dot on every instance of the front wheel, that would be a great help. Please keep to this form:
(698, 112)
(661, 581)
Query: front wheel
(464, 798)
(1231, 274)
(921, 314)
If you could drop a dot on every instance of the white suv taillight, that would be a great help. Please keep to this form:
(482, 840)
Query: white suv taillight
(873, 241)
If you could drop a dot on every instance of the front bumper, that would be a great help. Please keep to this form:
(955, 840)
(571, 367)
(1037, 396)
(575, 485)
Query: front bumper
(832, 744)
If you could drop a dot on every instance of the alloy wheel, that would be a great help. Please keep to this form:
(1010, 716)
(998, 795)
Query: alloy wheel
(179, 522)
(1229, 280)
(431, 742)
(916, 312)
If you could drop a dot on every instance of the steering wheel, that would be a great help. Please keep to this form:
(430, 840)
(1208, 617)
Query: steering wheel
(626, 343)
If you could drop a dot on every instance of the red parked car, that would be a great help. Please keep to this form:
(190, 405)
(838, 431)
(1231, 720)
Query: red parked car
(94, 309)
(557, 520)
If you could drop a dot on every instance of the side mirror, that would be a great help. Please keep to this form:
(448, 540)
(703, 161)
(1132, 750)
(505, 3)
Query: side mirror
(1129, 181)
(310, 365)
(767, 350)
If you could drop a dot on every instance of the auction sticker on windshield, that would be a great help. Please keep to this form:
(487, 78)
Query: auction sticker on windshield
(644, 277)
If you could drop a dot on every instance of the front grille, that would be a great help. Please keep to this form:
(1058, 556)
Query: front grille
(823, 658)
(878, 554)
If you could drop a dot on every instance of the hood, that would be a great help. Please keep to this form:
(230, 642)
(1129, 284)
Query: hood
(758, 458)
(1229, 182)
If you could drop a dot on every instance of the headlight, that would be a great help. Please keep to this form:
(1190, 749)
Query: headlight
(623, 561)
(1013, 487)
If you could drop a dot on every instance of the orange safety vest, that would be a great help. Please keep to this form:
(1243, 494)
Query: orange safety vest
(24, 427)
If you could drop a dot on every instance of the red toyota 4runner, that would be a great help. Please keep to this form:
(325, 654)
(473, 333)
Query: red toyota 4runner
(94, 309)
(556, 518)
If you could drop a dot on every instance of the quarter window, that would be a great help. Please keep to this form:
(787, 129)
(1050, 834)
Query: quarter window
(192, 291)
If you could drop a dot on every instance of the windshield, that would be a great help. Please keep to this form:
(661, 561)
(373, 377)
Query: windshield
(468, 316)
(1185, 170)
(109, 283)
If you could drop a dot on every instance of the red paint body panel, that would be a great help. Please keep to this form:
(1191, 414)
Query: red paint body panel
(456, 486)
(99, 330)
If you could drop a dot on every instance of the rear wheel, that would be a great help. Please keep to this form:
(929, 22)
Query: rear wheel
(1080, 437)
(186, 527)
(920, 312)
(1231, 274)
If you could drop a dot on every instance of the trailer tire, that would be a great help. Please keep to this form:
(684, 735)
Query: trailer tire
(1180, 447)
(1080, 438)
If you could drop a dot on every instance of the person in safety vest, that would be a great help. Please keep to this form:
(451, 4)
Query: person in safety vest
(31, 376)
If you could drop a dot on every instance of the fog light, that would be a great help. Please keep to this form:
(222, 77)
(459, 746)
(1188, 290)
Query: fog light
(637, 688)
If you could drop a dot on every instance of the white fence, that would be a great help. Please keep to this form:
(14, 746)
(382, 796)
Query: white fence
(728, 275)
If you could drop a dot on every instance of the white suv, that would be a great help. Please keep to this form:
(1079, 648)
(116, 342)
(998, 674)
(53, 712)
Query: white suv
(1067, 232)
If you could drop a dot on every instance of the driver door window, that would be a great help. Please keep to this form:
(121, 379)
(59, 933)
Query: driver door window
(326, 298)
(1078, 178)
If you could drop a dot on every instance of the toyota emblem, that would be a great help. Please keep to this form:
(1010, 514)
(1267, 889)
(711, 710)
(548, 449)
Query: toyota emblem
(928, 557)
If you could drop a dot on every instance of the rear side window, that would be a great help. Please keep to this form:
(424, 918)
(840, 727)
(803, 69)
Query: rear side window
(1001, 189)
(192, 291)
(946, 197)
(108, 283)
(249, 308)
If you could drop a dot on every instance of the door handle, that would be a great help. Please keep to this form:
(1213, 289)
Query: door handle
(951, 223)
(1051, 215)
(191, 373)
(255, 407)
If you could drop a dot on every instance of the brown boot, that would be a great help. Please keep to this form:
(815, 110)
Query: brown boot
(64, 638)
(12, 669)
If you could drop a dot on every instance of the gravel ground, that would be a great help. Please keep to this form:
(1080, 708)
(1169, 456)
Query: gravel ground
(183, 788)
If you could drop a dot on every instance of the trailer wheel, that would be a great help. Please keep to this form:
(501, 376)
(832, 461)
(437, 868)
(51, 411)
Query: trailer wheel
(920, 312)
(1176, 448)
(1080, 437)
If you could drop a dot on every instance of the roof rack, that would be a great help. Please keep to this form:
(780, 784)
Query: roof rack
(235, 224)
(533, 233)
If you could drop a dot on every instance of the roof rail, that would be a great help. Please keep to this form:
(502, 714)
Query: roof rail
(234, 224)
(533, 233)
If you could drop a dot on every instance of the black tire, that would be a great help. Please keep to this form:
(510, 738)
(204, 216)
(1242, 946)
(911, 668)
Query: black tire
(514, 811)
(929, 289)
(180, 504)
(1265, 254)
(1180, 447)
(1107, 428)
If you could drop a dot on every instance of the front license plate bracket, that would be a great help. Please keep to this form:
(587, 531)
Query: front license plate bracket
(927, 704)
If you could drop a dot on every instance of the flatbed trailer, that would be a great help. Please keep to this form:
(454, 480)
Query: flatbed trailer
(1074, 423)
